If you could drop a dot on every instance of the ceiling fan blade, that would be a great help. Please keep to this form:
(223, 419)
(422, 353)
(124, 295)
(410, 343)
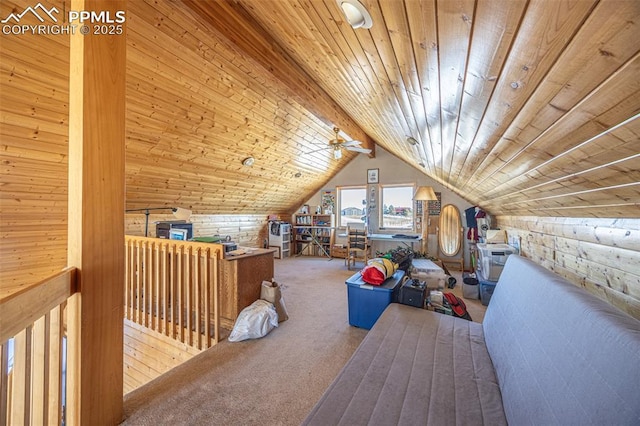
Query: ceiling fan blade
(352, 143)
(358, 149)
(318, 150)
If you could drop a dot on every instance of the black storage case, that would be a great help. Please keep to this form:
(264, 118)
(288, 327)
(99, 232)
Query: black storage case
(413, 293)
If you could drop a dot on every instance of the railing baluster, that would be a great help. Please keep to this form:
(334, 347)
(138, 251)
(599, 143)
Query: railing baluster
(148, 285)
(39, 364)
(195, 258)
(165, 289)
(19, 411)
(174, 290)
(189, 295)
(139, 273)
(56, 333)
(4, 383)
(156, 314)
(206, 302)
(180, 287)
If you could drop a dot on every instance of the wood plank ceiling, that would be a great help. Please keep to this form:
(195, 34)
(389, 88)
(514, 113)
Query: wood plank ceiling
(524, 107)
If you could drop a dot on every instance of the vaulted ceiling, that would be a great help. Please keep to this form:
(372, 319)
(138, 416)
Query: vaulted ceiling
(524, 107)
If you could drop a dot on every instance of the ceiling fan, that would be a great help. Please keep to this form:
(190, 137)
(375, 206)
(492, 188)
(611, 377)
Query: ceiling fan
(338, 144)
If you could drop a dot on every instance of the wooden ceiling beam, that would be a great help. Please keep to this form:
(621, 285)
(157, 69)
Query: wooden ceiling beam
(235, 24)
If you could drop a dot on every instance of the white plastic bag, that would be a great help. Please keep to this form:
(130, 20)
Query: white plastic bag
(255, 321)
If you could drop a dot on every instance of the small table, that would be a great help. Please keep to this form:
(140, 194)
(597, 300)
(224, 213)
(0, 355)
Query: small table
(391, 237)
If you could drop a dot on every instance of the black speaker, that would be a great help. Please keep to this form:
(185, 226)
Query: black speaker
(413, 293)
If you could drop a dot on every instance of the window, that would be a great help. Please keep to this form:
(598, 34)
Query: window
(352, 204)
(397, 206)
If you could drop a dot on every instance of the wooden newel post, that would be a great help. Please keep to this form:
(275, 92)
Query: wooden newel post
(96, 215)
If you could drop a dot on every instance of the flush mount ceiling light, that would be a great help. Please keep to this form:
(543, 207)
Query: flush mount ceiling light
(248, 161)
(356, 14)
(412, 141)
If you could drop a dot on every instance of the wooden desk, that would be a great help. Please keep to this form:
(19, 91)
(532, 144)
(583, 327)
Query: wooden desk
(391, 238)
(240, 282)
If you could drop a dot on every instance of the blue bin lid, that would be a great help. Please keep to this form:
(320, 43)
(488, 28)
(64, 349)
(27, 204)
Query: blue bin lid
(388, 285)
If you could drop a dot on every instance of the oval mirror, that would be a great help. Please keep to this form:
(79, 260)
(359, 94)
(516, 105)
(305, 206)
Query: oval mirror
(450, 230)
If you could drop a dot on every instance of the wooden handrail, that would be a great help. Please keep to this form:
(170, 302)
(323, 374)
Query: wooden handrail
(23, 308)
(33, 335)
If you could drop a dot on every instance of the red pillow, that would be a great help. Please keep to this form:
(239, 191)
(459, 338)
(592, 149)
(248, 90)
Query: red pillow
(372, 275)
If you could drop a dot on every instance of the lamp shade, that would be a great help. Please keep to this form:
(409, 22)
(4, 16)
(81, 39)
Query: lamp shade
(181, 214)
(425, 193)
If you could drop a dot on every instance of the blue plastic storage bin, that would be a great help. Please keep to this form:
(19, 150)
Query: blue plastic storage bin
(486, 288)
(367, 302)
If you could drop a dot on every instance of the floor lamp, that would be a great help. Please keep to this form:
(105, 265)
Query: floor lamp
(424, 193)
(179, 213)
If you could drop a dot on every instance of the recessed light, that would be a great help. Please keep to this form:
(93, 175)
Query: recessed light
(297, 175)
(356, 14)
(412, 141)
(248, 161)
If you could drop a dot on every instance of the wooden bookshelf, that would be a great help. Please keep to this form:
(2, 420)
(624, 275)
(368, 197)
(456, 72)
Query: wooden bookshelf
(313, 234)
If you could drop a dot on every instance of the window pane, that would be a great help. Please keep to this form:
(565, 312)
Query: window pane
(397, 207)
(352, 207)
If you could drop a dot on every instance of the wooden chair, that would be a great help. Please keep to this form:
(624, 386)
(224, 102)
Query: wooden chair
(357, 245)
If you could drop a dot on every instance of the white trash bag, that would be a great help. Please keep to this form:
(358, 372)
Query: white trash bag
(255, 321)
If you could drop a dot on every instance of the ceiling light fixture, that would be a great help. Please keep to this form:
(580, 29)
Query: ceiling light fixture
(356, 14)
(248, 161)
(412, 141)
(337, 153)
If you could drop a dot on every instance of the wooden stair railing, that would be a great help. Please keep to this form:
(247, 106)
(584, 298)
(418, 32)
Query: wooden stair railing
(171, 287)
(34, 334)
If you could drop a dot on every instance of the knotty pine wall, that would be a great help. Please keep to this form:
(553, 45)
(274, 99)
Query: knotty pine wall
(34, 87)
(246, 230)
(600, 255)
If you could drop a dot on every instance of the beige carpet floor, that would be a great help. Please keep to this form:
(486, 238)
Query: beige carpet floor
(275, 380)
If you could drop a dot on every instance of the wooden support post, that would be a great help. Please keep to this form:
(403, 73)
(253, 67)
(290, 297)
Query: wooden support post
(96, 219)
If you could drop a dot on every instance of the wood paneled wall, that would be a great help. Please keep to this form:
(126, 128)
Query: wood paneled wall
(196, 107)
(149, 354)
(601, 255)
(246, 230)
(34, 113)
